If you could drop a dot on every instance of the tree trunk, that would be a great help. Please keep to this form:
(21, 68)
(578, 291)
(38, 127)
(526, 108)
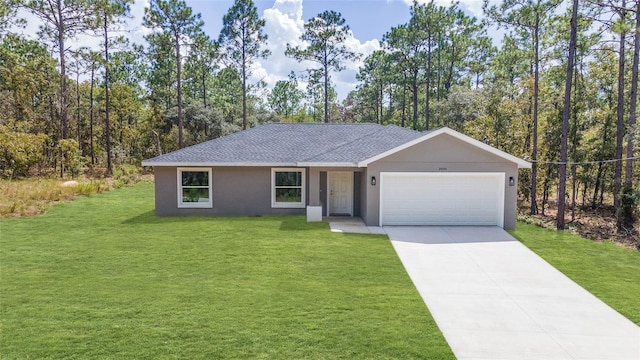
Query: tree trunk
(326, 92)
(93, 154)
(534, 151)
(381, 95)
(390, 110)
(438, 66)
(107, 128)
(404, 100)
(158, 147)
(179, 86)
(428, 85)
(375, 107)
(617, 175)
(545, 189)
(562, 182)
(414, 87)
(449, 80)
(79, 132)
(379, 104)
(633, 102)
(574, 191)
(63, 83)
(204, 89)
(574, 146)
(63, 73)
(244, 82)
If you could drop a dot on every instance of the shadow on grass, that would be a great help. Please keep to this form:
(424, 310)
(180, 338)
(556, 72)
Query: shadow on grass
(296, 224)
(287, 223)
(150, 217)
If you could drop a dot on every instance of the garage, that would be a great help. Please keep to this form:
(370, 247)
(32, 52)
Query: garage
(428, 198)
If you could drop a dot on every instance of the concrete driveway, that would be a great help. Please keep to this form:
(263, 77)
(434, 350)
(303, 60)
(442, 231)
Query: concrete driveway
(493, 298)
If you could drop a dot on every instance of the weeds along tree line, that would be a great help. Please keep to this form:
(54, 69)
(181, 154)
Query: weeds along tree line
(559, 89)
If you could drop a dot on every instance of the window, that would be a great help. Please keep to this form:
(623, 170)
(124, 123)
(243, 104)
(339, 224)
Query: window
(287, 188)
(194, 188)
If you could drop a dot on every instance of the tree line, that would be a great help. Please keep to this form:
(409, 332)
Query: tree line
(559, 90)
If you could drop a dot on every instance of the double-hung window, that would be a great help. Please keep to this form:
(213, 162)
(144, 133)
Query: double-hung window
(287, 188)
(194, 188)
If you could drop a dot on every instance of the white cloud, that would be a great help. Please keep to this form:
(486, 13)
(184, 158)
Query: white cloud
(284, 25)
(134, 25)
(473, 6)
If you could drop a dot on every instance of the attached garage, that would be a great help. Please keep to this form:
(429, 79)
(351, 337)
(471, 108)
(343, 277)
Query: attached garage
(453, 198)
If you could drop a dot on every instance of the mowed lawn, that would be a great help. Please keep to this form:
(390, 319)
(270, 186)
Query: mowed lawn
(103, 277)
(607, 270)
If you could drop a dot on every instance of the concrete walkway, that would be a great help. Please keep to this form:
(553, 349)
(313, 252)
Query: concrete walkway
(493, 298)
(353, 225)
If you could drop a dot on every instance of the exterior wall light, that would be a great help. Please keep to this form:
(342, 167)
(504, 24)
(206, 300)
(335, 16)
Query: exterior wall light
(373, 181)
(512, 181)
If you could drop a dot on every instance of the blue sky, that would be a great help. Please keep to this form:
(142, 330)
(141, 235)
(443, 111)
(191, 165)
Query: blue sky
(369, 20)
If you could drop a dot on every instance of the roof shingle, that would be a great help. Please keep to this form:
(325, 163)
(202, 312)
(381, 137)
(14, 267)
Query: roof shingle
(288, 144)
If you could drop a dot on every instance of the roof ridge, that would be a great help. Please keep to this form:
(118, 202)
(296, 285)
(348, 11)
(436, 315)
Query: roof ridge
(317, 123)
(403, 128)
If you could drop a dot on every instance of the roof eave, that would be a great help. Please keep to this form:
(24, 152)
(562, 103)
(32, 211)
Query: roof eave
(326, 164)
(217, 164)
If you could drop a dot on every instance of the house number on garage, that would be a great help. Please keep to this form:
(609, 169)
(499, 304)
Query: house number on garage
(442, 169)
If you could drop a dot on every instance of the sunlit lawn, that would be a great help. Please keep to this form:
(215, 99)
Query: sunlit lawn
(103, 277)
(607, 270)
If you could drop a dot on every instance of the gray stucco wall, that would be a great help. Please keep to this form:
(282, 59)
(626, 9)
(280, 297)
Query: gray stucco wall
(443, 153)
(236, 191)
(323, 191)
(364, 189)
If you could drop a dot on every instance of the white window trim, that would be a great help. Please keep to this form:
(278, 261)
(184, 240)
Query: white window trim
(198, 205)
(282, 205)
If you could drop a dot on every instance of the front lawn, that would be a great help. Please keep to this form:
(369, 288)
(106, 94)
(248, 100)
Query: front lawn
(103, 277)
(608, 271)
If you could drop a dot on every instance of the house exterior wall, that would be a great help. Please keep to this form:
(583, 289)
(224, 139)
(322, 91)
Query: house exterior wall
(236, 191)
(323, 192)
(364, 190)
(357, 194)
(443, 153)
(245, 191)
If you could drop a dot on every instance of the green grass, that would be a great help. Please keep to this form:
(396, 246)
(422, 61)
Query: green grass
(103, 277)
(610, 272)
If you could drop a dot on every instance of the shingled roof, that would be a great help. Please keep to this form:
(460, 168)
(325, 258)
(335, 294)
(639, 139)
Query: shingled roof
(285, 144)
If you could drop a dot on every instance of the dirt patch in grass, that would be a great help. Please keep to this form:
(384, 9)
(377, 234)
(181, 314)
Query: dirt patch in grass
(597, 224)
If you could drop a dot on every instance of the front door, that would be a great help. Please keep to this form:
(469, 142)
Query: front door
(340, 193)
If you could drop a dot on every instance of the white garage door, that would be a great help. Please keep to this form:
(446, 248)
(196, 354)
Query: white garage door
(442, 198)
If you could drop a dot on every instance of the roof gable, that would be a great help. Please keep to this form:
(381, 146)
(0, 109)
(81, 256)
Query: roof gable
(445, 130)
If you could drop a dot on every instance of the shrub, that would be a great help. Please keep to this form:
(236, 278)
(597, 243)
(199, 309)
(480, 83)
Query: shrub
(627, 211)
(125, 175)
(19, 151)
(72, 157)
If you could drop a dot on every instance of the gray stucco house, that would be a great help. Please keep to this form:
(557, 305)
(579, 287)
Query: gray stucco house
(387, 175)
